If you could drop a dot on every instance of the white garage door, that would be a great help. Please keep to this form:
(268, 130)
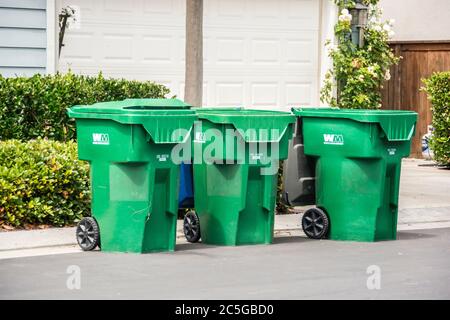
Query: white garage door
(257, 53)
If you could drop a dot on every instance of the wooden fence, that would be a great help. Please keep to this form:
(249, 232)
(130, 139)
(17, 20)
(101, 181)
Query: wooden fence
(403, 92)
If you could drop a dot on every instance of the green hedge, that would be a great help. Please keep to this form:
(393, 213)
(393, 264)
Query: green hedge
(438, 89)
(36, 106)
(42, 182)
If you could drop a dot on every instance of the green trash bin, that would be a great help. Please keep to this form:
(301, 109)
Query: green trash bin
(357, 156)
(134, 180)
(235, 185)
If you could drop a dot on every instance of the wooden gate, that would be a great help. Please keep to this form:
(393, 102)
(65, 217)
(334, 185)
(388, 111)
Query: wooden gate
(403, 91)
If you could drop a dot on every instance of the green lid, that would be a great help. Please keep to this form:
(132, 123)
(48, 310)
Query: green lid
(129, 106)
(157, 103)
(159, 117)
(228, 115)
(250, 122)
(398, 125)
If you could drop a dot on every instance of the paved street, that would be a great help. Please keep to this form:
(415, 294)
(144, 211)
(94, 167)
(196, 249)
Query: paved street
(34, 264)
(417, 266)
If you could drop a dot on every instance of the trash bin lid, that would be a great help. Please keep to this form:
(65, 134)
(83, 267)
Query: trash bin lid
(128, 106)
(398, 125)
(230, 114)
(250, 122)
(158, 103)
(159, 117)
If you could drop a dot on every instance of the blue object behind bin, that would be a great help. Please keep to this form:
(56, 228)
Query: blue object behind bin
(186, 194)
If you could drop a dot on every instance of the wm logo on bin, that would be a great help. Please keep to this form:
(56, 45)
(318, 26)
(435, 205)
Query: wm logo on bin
(333, 139)
(100, 138)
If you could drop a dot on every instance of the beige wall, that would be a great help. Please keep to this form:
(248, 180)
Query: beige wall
(419, 19)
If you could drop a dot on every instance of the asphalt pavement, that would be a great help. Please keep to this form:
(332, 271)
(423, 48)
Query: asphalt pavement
(417, 266)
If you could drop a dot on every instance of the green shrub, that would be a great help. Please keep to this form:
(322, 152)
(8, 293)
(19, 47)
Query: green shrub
(36, 106)
(42, 182)
(281, 207)
(438, 89)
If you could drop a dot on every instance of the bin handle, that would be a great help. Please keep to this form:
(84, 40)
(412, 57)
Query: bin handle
(403, 132)
(253, 140)
(150, 129)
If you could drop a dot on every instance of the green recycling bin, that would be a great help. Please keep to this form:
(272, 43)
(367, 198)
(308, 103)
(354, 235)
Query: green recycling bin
(357, 156)
(236, 161)
(134, 180)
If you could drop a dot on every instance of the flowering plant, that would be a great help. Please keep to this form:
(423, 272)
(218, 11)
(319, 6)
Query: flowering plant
(357, 72)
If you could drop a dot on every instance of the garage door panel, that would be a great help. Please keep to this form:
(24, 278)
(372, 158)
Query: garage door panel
(265, 51)
(264, 94)
(157, 48)
(227, 8)
(266, 9)
(88, 7)
(303, 9)
(298, 93)
(301, 51)
(264, 48)
(229, 93)
(160, 7)
(120, 7)
(230, 50)
(152, 73)
(281, 14)
(282, 92)
(78, 46)
(130, 12)
(122, 46)
(117, 48)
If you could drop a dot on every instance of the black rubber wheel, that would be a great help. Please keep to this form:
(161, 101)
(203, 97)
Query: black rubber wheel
(88, 234)
(315, 224)
(191, 227)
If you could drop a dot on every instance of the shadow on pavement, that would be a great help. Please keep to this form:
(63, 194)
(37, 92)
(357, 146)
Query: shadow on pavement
(292, 239)
(411, 235)
(192, 246)
(277, 240)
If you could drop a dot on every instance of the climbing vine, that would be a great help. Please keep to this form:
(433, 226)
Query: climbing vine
(358, 73)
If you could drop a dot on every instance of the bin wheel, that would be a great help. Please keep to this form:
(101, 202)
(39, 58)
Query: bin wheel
(315, 224)
(88, 234)
(191, 227)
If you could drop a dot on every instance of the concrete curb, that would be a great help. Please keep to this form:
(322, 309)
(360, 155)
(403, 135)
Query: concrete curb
(285, 225)
(57, 237)
(28, 239)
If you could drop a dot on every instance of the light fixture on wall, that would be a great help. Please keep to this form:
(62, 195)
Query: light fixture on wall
(360, 14)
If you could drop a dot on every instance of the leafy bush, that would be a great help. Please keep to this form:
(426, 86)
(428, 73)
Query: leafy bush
(42, 182)
(36, 107)
(281, 207)
(438, 89)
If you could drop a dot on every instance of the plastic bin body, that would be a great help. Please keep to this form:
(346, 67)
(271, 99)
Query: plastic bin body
(134, 181)
(358, 158)
(235, 189)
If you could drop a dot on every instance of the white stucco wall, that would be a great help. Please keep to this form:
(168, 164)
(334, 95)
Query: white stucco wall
(419, 19)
